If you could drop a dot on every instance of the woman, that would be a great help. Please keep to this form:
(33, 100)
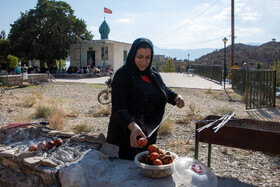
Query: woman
(139, 97)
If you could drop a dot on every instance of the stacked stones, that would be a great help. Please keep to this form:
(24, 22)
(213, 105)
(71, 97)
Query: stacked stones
(25, 168)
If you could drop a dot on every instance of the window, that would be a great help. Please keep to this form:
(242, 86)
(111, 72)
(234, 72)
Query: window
(124, 56)
(77, 54)
(106, 53)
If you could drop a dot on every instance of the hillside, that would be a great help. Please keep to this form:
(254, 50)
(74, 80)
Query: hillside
(264, 54)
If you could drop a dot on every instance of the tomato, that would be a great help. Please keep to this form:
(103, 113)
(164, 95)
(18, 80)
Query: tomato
(41, 146)
(153, 156)
(142, 142)
(57, 142)
(50, 144)
(157, 162)
(167, 159)
(32, 148)
(153, 148)
(160, 152)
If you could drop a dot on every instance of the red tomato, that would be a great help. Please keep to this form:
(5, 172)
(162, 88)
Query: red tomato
(41, 146)
(32, 148)
(57, 142)
(153, 156)
(142, 142)
(50, 144)
(153, 148)
(167, 159)
(157, 162)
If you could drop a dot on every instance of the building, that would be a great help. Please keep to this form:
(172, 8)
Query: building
(115, 52)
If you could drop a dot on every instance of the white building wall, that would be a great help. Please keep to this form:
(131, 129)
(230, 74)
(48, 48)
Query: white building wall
(119, 52)
(115, 53)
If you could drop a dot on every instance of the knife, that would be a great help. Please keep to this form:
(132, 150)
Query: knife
(161, 121)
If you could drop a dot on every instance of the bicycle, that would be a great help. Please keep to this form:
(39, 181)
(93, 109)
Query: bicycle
(104, 96)
(51, 77)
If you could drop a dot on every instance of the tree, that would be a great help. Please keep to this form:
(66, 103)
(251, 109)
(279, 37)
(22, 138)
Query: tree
(169, 66)
(13, 61)
(46, 32)
(258, 66)
(3, 35)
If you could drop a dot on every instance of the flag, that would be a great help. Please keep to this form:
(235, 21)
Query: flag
(107, 10)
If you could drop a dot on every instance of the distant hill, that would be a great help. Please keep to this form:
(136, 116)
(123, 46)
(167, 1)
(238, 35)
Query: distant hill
(181, 54)
(264, 54)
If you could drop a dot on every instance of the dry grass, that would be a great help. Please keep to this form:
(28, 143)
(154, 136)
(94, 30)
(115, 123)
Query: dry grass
(29, 101)
(166, 127)
(221, 111)
(58, 119)
(84, 127)
(42, 111)
(21, 118)
(100, 111)
(180, 145)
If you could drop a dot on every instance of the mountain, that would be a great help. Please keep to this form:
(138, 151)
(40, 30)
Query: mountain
(264, 54)
(183, 54)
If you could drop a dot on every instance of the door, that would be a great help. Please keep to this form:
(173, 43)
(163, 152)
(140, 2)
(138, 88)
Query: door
(91, 54)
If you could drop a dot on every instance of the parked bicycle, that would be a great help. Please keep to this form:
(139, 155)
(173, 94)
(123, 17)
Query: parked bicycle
(104, 96)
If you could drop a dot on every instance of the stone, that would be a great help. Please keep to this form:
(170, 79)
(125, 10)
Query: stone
(94, 137)
(32, 161)
(49, 175)
(78, 138)
(34, 132)
(8, 153)
(26, 154)
(53, 133)
(66, 134)
(95, 170)
(111, 150)
(13, 165)
(47, 162)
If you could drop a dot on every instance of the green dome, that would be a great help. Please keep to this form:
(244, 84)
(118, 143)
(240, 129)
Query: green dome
(104, 30)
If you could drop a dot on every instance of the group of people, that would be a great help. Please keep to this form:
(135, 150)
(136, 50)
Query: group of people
(236, 66)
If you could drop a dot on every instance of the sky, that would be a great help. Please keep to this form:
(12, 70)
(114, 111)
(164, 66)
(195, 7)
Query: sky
(171, 24)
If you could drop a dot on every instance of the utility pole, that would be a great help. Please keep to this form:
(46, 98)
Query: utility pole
(232, 33)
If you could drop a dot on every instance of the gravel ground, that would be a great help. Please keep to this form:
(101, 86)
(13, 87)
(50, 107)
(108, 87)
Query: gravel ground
(238, 167)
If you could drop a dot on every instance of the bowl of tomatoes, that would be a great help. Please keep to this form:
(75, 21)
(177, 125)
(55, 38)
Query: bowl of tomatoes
(155, 163)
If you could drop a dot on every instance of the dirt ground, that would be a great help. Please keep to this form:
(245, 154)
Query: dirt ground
(79, 101)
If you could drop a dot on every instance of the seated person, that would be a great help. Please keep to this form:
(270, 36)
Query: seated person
(17, 70)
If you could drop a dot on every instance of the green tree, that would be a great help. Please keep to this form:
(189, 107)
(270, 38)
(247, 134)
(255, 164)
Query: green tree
(46, 32)
(13, 61)
(276, 67)
(169, 66)
(258, 66)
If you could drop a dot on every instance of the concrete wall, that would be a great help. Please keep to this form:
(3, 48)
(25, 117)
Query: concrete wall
(15, 80)
(115, 53)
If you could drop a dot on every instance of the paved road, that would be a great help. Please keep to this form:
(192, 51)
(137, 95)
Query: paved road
(170, 79)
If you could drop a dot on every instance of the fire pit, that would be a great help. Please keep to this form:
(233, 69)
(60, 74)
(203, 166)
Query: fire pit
(19, 165)
(240, 133)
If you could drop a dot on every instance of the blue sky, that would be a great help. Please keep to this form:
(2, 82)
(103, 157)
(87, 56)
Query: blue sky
(174, 24)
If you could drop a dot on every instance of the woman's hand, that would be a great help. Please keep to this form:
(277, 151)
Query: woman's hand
(135, 132)
(179, 101)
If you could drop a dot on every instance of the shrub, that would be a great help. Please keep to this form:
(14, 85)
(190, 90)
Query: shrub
(43, 111)
(57, 120)
(82, 128)
(166, 127)
(13, 60)
(29, 101)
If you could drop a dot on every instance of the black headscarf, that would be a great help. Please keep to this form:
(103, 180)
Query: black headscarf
(130, 60)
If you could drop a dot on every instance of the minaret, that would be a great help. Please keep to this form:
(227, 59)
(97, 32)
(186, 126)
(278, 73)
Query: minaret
(104, 30)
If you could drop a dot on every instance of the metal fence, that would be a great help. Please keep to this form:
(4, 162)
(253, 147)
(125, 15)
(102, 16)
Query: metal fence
(259, 87)
(211, 72)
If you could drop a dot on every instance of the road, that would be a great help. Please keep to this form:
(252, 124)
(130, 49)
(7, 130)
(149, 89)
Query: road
(176, 80)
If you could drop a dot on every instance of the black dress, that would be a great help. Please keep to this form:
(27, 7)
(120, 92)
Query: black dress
(135, 100)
